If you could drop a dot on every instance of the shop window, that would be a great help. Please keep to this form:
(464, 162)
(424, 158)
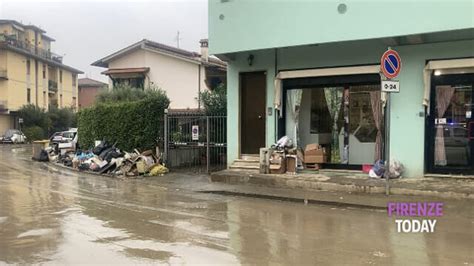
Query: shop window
(361, 116)
(321, 121)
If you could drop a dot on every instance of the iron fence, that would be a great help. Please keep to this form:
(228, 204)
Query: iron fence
(195, 142)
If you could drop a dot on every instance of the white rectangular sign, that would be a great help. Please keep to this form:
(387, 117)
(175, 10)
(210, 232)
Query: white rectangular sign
(195, 132)
(390, 86)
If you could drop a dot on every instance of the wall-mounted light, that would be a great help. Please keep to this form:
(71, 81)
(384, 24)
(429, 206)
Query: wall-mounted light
(250, 59)
(437, 73)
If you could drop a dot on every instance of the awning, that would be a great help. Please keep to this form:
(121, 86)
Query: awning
(453, 66)
(136, 70)
(321, 72)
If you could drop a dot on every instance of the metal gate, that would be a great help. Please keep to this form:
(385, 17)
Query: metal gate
(195, 141)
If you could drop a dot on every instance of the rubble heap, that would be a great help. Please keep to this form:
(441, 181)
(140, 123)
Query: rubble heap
(107, 159)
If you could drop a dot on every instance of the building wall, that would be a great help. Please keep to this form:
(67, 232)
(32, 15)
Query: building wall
(68, 91)
(406, 105)
(6, 122)
(87, 96)
(251, 25)
(178, 78)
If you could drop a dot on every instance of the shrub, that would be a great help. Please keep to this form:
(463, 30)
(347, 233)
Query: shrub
(125, 93)
(135, 124)
(215, 101)
(61, 119)
(33, 133)
(33, 116)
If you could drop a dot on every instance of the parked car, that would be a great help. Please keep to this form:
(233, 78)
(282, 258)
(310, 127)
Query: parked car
(64, 139)
(13, 136)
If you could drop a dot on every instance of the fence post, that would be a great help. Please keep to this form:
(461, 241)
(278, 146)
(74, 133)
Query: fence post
(208, 160)
(165, 145)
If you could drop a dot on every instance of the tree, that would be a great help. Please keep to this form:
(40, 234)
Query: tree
(35, 121)
(215, 101)
(61, 119)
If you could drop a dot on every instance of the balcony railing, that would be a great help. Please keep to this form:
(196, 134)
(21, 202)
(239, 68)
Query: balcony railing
(12, 41)
(3, 74)
(52, 86)
(3, 105)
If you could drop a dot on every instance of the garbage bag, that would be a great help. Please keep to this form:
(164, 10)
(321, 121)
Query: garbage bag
(396, 169)
(379, 168)
(43, 156)
(158, 169)
(101, 147)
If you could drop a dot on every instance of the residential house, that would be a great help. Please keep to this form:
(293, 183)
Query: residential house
(88, 90)
(311, 70)
(30, 73)
(182, 74)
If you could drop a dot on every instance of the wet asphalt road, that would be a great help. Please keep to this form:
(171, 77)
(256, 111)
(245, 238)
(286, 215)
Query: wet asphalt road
(52, 215)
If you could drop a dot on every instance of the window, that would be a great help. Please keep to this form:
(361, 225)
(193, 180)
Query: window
(74, 77)
(44, 99)
(320, 118)
(28, 66)
(60, 101)
(28, 95)
(60, 76)
(44, 71)
(74, 102)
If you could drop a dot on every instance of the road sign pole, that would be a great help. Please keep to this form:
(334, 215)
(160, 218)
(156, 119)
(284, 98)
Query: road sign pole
(387, 145)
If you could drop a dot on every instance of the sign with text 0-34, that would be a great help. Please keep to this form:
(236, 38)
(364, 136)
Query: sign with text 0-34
(390, 86)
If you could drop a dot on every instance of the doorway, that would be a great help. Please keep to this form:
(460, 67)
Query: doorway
(252, 112)
(450, 125)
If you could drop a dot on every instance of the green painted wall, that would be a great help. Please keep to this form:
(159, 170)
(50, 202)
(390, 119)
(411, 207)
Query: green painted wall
(407, 127)
(241, 25)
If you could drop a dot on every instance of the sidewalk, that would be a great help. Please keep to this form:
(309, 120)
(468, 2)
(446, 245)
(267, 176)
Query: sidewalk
(447, 188)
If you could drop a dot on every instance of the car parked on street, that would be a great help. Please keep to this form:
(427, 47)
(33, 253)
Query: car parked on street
(14, 136)
(64, 139)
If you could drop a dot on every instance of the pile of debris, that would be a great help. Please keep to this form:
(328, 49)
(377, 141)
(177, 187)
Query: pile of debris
(107, 159)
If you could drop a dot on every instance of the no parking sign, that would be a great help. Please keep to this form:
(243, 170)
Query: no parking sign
(390, 65)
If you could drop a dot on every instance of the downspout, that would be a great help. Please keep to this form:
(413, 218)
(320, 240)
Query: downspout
(199, 87)
(275, 117)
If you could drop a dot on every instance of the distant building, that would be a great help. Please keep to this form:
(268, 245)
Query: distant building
(88, 90)
(30, 73)
(182, 74)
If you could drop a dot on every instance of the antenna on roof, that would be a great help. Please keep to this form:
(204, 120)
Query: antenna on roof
(177, 39)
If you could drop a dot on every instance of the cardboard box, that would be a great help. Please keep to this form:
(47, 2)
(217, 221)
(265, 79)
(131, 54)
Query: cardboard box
(291, 164)
(314, 153)
(278, 168)
(315, 159)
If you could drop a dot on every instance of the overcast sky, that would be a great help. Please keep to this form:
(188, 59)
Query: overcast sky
(89, 30)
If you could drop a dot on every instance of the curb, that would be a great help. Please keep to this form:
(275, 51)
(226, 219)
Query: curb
(314, 185)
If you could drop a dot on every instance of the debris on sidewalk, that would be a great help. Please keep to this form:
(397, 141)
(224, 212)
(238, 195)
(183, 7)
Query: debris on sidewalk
(105, 158)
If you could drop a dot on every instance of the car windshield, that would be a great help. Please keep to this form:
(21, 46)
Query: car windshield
(9, 133)
(69, 135)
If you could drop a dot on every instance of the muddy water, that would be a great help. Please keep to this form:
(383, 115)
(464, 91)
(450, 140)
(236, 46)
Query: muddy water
(48, 215)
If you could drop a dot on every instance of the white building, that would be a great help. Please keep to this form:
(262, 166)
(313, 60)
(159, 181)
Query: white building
(182, 74)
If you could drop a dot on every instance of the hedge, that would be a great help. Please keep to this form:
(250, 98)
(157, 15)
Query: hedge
(130, 125)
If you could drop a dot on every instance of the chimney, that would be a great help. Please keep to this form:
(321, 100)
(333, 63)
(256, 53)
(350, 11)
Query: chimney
(204, 49)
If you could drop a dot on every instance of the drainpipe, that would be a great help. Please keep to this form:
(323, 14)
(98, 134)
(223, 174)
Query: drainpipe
(199, 87)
